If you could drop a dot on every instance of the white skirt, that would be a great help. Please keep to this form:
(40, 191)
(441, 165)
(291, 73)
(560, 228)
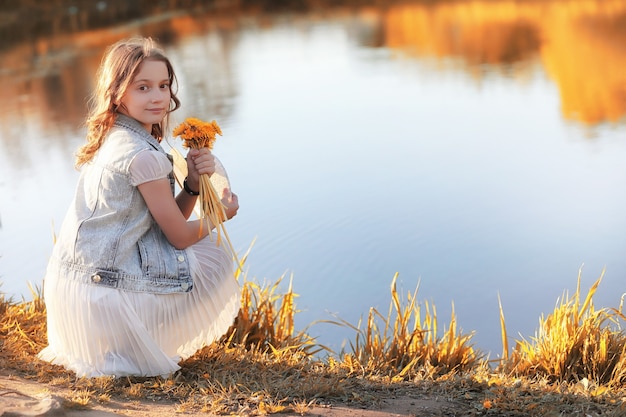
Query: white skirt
(96, 331)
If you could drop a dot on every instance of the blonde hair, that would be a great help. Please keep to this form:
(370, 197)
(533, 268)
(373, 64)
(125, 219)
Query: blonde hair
(119, 66)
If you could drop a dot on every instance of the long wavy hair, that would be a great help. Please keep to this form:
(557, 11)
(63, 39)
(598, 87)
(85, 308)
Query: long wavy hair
(119, 66)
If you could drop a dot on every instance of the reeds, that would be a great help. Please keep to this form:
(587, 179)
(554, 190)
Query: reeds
(266, 321)
(576, 361)
(406, 342)
(575, 342)
(22, 331)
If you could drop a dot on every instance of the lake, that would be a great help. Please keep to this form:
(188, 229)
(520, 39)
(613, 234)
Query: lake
(475, 148)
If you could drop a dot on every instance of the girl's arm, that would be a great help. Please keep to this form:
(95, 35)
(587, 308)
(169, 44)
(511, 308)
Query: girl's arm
(172, 214)
(169, 215)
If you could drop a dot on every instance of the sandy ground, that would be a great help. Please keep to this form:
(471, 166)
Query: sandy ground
(21, 397)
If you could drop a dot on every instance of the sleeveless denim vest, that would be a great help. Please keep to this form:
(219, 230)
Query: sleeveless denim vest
(108, 236)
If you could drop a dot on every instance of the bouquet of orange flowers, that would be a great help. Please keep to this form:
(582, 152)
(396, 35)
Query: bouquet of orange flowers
(197, 134)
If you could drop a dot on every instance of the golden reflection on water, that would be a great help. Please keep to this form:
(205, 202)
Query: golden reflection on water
(579, 44)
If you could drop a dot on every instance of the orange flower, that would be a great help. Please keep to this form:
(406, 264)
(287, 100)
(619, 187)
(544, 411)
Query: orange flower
(197, 134)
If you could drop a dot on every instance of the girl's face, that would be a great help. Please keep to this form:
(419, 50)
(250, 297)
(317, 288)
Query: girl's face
(147, 98)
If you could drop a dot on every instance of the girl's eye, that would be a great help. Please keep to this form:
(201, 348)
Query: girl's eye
(165, 86)
(143, 87)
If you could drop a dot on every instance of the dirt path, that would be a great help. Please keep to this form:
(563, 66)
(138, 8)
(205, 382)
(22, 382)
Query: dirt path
(22, 397)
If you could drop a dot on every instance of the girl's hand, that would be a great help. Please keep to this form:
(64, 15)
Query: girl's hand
(230, 202)
(199, 161)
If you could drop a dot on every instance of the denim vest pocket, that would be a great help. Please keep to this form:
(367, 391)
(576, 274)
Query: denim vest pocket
(162, 265)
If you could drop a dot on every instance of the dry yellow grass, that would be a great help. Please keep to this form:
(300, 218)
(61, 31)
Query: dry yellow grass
(406, 342)
(574, 366)
(576, 342)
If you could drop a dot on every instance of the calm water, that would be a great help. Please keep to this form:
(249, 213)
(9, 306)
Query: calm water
(467, 147)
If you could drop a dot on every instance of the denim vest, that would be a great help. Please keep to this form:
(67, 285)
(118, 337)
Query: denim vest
(108, 236)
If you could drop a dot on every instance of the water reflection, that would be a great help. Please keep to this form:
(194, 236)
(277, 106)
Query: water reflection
(569, 38)
(51, 76)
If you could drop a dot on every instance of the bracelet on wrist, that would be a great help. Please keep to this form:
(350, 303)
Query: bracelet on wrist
(189, 190)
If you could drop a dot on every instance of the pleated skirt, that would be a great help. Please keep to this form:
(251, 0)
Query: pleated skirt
(97, 331)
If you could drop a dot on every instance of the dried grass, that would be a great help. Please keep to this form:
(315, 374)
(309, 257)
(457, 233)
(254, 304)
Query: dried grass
(576, 342)
(406, 343)
(573, 366)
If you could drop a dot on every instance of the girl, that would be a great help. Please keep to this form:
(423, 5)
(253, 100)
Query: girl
(131, 288)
